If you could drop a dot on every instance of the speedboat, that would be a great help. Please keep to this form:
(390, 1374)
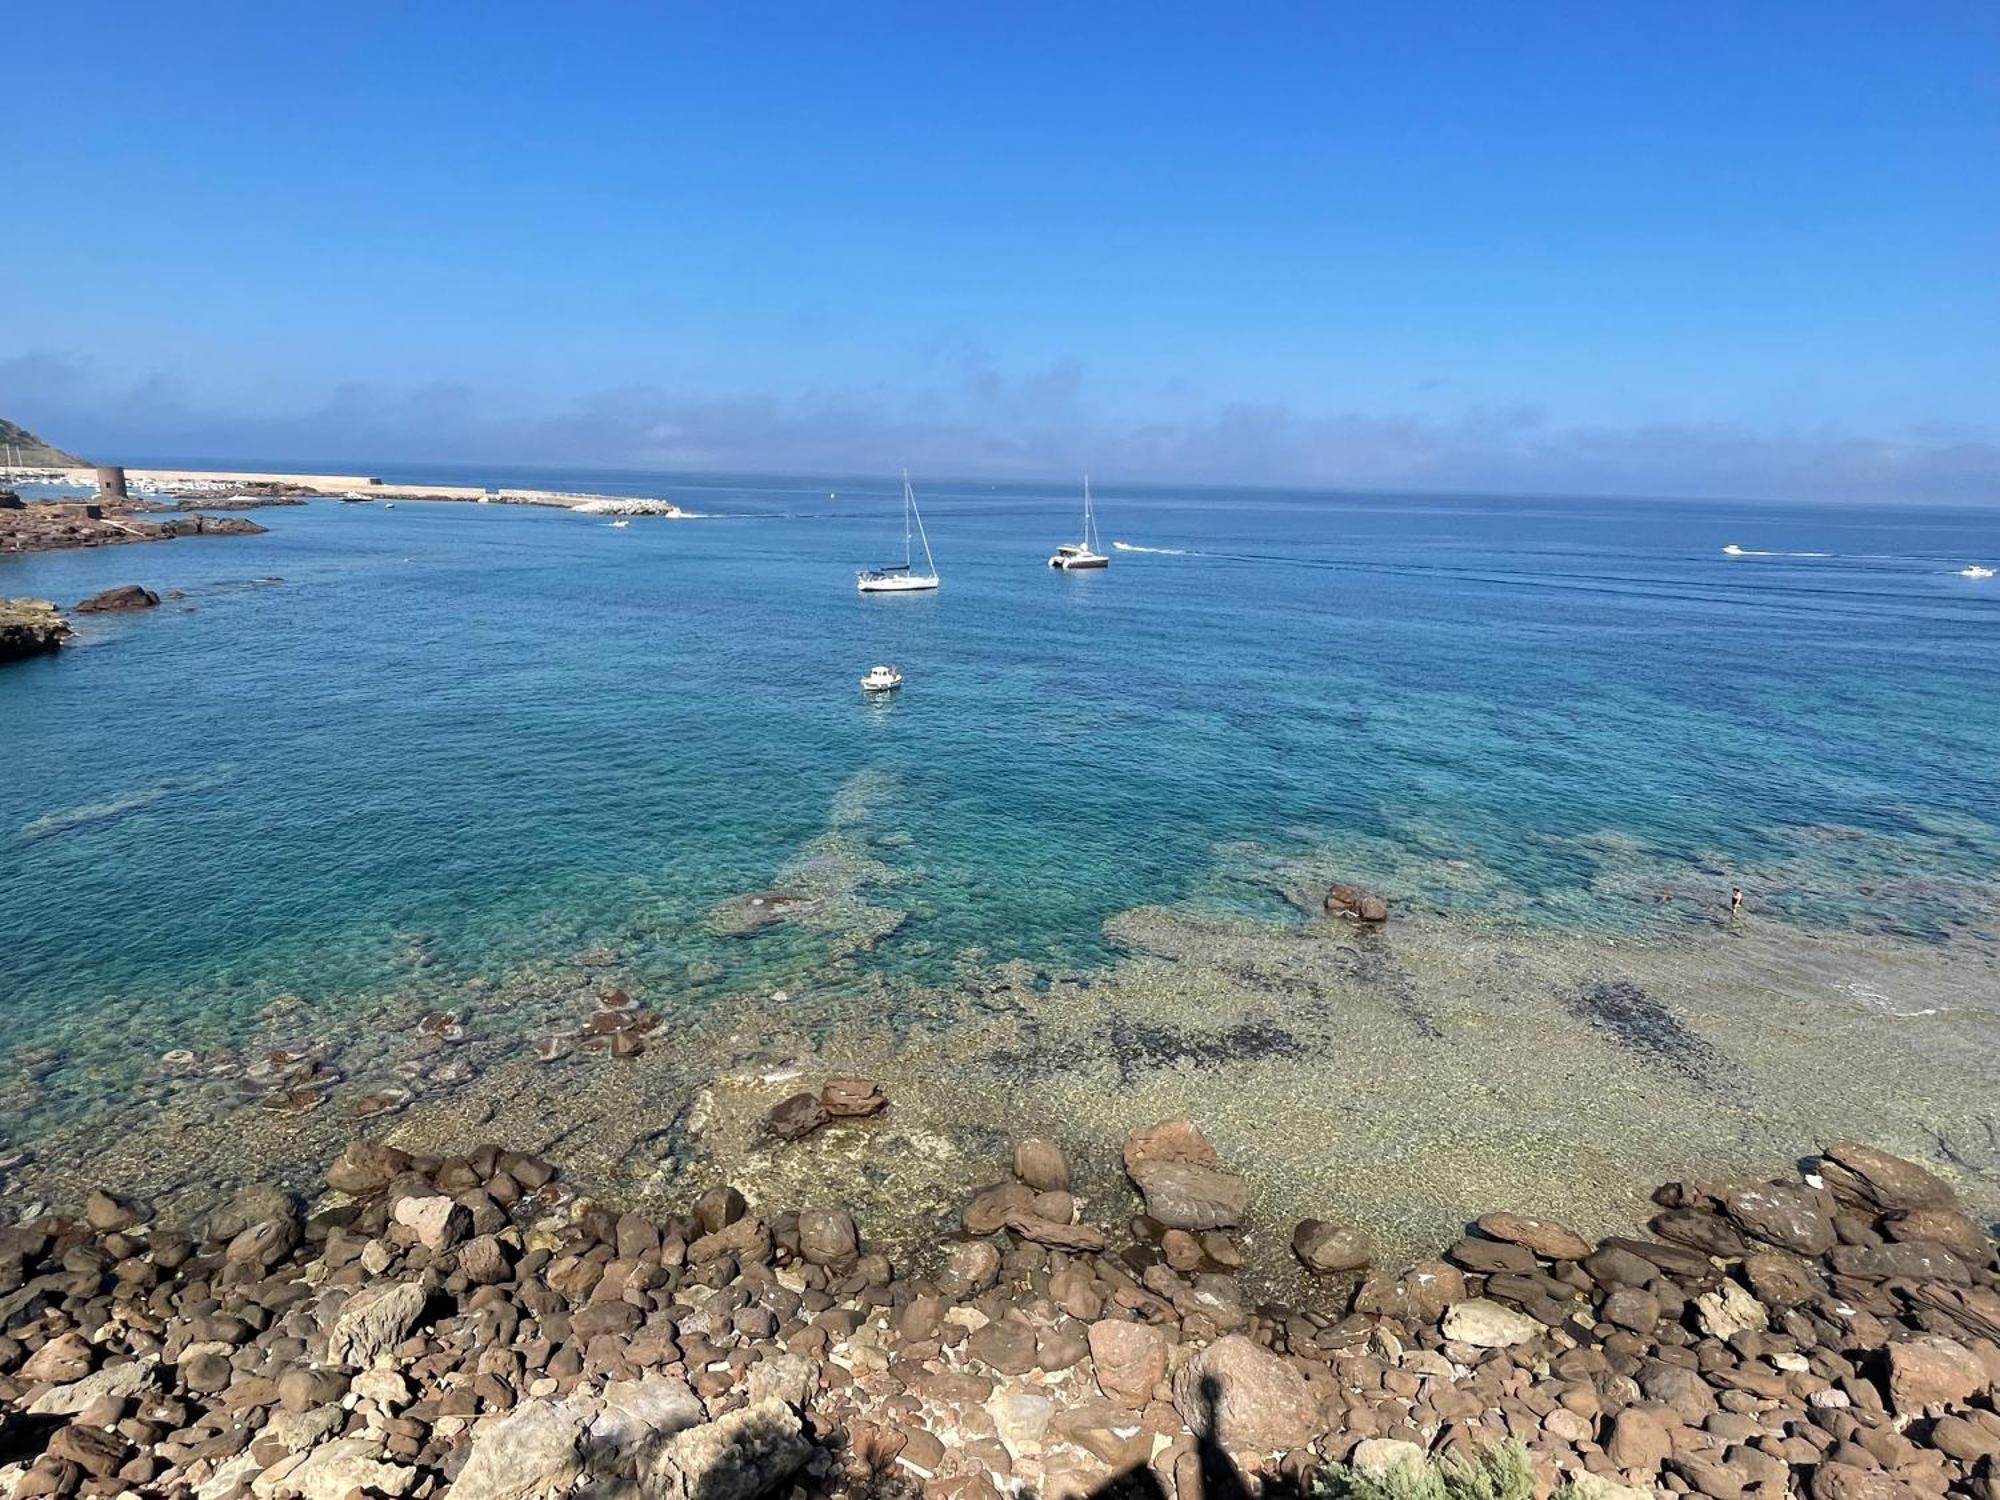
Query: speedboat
(903, 578)
(1975, 571)
(1732, 550)
(1083, 554)
(620, 524)
(881, 679)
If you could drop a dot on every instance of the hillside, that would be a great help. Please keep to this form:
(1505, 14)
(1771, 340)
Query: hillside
(21, 449)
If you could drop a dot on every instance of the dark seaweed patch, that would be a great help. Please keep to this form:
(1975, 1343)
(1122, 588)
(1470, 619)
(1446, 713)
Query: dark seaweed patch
(1638, 1022)
(1138, 1045)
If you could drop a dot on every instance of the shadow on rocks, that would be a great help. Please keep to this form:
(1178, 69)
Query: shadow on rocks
(1212, 1468)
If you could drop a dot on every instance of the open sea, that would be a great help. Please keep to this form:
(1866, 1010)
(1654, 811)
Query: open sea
(433, 744)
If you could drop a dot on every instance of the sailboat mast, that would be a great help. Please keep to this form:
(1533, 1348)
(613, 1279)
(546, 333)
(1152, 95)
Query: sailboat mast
(929, 563)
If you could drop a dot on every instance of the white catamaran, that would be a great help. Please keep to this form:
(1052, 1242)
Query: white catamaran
(904, 578)
(1086, 553)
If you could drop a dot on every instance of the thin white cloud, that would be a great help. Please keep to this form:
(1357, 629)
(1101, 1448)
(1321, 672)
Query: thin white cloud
(973, 419)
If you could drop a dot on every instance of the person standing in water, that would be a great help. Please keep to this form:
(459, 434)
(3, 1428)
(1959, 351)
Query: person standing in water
(1735, 900)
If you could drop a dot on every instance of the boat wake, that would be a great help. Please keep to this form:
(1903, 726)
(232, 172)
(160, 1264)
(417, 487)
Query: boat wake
(1159, 551)
(1732, 550)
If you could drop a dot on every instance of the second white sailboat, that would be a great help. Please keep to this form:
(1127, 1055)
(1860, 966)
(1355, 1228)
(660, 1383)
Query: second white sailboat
(903, 579)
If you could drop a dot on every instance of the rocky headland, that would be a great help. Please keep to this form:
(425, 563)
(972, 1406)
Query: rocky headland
(468, 1326)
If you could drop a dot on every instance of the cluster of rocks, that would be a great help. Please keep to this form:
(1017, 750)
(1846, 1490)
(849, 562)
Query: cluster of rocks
(1355, 904)
(53, 525)
(464, 1326)
(797, 1116)
(28, 627)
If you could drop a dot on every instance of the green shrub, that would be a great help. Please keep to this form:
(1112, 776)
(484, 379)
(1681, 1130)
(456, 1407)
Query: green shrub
(1501, 1473)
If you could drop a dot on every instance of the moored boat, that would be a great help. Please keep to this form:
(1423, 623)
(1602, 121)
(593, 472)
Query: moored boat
(1087, 553)
(903, 578)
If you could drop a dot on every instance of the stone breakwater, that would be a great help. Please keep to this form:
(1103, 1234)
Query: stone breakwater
(468, 1327)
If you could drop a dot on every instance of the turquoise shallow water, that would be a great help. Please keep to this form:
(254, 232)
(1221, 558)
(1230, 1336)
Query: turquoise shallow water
(463, 737)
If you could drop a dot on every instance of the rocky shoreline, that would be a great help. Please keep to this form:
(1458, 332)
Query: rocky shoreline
(467, 1326)
(56, 525)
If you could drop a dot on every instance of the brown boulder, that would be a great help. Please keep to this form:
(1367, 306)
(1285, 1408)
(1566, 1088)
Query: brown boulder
(1931, 1370)
(852, 1098)
(1327, 1247)
(1351, 901)
(747, 1239)
(827, 1237)
(1910, 1260)
(125, 596)
(1084, 1239)
(1181, 1195)
(1878, 1180)
(1040, 1163)
(1942, 1226)
(1246, 1398)
(1548, 1239)
(1789, 1217)
(797, 1117)
(365, 1168)
(1129, 1359)
(1639, 1439)
(1168, 1141)
(992, 1207)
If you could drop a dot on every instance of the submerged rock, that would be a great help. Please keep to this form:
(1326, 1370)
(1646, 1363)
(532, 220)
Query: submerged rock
(1328, 1247)
(1353, 902)
(797, 1117)
(852, 1098)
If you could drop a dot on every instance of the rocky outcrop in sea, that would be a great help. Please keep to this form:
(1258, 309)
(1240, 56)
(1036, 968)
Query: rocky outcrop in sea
(29, 627)
(467, 1327)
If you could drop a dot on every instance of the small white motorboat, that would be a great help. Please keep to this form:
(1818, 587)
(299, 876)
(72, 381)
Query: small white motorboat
(388, 505)
(1086, 553)
(1975, 571)
(619, 525)
(881, 679)
(1732, 550)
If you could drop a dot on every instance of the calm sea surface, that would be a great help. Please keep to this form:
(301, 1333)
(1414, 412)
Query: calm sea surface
(462, 737)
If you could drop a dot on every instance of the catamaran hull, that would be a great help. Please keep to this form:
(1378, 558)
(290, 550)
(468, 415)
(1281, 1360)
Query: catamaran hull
(894, 585)
(1071, 564)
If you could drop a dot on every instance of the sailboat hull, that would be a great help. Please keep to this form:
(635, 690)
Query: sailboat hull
(902, 583)
(1072, 564)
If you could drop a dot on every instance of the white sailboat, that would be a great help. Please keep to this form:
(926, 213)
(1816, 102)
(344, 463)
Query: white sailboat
(903, 579)
(1086, 553)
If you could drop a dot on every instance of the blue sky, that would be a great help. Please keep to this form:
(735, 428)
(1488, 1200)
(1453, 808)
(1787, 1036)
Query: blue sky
(1630, 248)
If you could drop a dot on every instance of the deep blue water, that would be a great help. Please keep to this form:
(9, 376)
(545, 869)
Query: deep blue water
(505, 732)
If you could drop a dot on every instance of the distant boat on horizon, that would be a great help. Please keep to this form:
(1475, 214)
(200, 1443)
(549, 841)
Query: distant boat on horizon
(903, 578)
(1086, 553)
